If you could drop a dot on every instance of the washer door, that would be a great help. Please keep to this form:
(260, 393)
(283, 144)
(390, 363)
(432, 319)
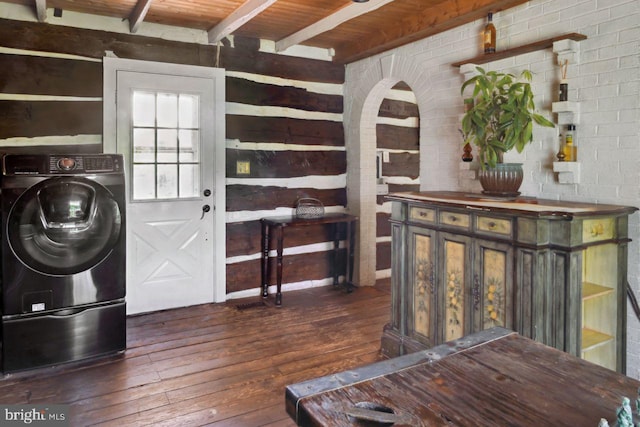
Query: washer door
(64, 225)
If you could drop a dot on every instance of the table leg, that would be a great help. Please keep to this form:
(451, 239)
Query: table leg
(336, 252)
(350, 243)
(280, 238)
(265, 260)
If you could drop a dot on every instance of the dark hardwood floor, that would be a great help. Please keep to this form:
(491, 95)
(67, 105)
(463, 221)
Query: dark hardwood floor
(215, 364)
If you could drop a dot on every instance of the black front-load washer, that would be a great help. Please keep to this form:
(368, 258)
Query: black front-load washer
(63, 258)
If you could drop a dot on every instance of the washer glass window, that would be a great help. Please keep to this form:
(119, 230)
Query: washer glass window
(64, 225)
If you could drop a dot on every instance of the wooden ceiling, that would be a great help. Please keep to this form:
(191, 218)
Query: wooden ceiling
(352, 30)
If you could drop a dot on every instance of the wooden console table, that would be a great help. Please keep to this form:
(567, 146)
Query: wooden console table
(491, 378)
(278, 224)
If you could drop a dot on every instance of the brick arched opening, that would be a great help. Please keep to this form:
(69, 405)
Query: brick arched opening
(361, 110)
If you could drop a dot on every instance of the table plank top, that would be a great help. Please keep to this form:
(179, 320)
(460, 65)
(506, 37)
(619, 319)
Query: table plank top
(292, 220)
(493, 378)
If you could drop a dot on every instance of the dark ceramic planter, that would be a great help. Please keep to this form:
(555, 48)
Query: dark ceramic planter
(503, 181)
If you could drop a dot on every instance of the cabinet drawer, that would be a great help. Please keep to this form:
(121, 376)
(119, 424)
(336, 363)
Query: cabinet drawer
(594, 230)
(455, 219)
(493, 225)
(422, 214)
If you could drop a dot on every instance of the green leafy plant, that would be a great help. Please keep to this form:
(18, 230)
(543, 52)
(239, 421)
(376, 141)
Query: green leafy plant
(500, 114)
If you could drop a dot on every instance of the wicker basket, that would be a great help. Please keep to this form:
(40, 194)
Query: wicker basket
(307, 207)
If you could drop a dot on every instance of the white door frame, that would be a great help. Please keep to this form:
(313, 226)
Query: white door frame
(111, 67)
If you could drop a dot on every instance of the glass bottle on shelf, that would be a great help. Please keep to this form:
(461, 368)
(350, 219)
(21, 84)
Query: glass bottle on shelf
(570, 151)
(560, 155)
(489, 35)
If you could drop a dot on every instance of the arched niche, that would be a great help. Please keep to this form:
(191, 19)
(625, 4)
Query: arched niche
(364, 93)
(397, 161)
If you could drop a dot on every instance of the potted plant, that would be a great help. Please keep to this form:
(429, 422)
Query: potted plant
(499, 117)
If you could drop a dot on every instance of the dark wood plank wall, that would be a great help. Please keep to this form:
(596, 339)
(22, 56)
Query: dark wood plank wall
(55, 105)
(402, 171)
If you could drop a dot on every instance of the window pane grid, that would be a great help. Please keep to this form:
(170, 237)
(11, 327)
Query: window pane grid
(166, 139)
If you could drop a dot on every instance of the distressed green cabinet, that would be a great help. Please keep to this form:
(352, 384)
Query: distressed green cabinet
(552, 271)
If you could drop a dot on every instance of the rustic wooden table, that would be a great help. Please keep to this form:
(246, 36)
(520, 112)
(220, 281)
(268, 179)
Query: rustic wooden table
(278, 224)
(492, 378)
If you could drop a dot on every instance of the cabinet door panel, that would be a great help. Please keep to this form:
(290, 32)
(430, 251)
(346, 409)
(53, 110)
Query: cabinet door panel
(422, 288)
(454, 285)
(492, 285)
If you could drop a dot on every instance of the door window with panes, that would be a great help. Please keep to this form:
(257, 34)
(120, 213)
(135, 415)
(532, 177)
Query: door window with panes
(166, 146)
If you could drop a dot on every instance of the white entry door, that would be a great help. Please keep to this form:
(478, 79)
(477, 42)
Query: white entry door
(168, 127)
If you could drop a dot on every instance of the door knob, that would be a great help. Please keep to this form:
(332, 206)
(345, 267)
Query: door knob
(206, 192)
(205, 209)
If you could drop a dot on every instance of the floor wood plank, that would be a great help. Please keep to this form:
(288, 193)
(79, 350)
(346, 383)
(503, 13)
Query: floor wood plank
(215, 364)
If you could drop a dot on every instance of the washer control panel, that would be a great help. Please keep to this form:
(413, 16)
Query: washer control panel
(43, 164)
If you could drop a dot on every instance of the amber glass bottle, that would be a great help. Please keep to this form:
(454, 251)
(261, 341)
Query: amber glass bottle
(489, 35)
(570, 148)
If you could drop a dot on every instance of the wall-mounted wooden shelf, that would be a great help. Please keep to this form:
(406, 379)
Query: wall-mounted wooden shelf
(531, 47)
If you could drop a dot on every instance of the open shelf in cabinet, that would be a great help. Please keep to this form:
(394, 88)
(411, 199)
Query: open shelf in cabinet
(591, 290)
(592, 339)
(531, 47)
(598, 348)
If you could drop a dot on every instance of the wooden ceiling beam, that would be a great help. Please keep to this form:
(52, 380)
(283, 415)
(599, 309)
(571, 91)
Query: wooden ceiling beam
(243, 14)
(348, 12)
(423, 23)
(138, 14)
(41, 10)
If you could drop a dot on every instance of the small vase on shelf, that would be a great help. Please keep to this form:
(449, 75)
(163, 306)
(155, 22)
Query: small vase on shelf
(466, 155)
(563, 92)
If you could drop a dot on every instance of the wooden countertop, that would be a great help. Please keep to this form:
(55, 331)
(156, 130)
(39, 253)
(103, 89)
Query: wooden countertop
(520, 205)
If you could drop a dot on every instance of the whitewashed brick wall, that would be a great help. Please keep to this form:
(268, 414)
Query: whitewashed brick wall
(606, 83)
